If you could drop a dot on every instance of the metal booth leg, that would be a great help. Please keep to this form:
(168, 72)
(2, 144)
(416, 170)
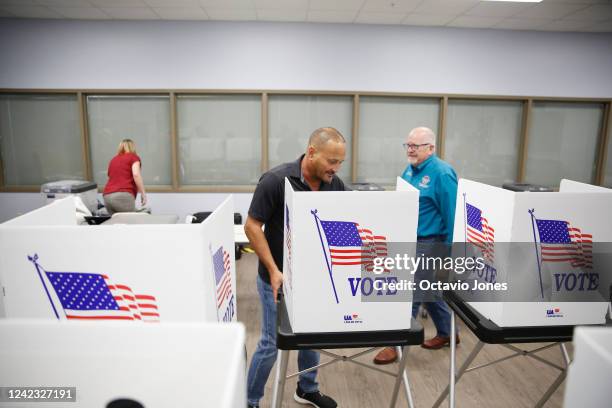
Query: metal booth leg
(553, 387)
(400, 353)
(281, 376)
(453, 348)
(460, 372)
(398, 379)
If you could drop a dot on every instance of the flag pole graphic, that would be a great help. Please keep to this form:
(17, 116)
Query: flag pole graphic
(329, 269)
(465, 227)
(535, 243)
(34, 260)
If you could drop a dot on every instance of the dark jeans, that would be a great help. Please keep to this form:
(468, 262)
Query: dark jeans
(265, 354)
(438, 309)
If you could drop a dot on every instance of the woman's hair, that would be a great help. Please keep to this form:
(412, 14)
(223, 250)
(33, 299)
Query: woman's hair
(126, 146)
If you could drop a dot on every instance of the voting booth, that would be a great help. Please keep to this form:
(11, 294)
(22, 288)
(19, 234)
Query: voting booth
(161, 365)
(551, 249)
(330, 239)
(590, 375)
(52, 268)
(58, 212)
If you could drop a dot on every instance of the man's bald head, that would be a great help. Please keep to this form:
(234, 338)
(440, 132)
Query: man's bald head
(321, 136)
(425, 134)
(325, 154)
(420, 145)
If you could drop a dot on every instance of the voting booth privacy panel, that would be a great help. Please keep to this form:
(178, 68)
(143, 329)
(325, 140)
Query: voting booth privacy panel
(590, 375)
(149, 273)
(329, 241)
(59, 212)
(550, 264)
(162, 365)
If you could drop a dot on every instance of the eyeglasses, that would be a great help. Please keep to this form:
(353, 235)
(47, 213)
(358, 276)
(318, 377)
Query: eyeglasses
(410, 146)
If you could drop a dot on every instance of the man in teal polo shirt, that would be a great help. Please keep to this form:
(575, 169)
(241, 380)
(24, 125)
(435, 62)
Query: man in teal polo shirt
(437, 184)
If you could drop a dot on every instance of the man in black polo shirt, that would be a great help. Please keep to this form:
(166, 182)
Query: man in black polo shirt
(313, 171)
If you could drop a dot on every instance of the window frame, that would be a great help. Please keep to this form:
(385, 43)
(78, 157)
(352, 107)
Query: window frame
(528, 101)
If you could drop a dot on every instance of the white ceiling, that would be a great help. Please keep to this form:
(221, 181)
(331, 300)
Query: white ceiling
(549, 15)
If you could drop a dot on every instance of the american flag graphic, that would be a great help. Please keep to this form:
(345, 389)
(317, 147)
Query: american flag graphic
(93, 296)
(288, 274)
(288, 232)
(479, 232)
(560, 242)
(351, 244)
(223, 278)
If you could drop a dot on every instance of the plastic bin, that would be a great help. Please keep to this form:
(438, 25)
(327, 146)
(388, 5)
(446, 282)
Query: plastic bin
(526, 187)
(86, 190)
(366, 187)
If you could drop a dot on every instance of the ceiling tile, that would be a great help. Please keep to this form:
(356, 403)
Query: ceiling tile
(372, 17)
(18, 3)
(549, 15)
(390, 6)
(228, 4)
(118, 3)
(445, 6)
(82, 13)
(549, 10)
(181, 13)
(173, 3)
(604, 26)
(428, 19)
(329, 16)
(474, 22)
(523, 24)
(231, 14)
(131, 13)
(64, 3)
(565, 25)
(336, 4)
(4, 13)
(281, 4)
(585, 2)
(281, 15)
(31, 12)
(496, 9)
(592, 13)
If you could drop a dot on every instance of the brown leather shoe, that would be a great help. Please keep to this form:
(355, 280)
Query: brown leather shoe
(387, 355)
(438, 342)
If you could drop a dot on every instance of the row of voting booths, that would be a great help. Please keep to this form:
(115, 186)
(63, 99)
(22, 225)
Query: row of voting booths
(553, 253)
(163, 293)
(552, 250)
(136, 312)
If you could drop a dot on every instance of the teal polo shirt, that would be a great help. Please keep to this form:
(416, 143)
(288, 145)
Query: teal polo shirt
(437, 184)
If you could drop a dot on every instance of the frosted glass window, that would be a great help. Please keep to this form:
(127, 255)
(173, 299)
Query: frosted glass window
(293, 118)
(219, 139)
(384, 123)
(608, 164)
(563, 142)
(40, 139)
(145, 120)
(483, 139)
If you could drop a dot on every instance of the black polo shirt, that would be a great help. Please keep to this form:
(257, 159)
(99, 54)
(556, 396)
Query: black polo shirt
(269, 201)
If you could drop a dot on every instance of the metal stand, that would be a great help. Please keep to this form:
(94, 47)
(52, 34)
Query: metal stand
(400, 376)
(287, 340)
(487, 332)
